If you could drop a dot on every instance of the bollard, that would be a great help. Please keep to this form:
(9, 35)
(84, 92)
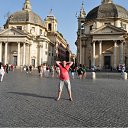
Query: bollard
(124, 76)
(93, 75)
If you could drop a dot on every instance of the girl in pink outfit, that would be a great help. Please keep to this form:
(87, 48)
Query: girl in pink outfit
(64, 78)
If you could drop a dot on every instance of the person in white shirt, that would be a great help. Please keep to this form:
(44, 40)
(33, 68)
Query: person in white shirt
(2, 72)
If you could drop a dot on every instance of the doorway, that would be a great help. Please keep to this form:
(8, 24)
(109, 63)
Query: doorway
(107, 62)
(33, 62)
(15, 60)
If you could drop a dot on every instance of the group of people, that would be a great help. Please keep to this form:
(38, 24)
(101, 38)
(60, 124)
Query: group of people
(62, 69)
(50, 71)
(5, 69)
(27, 68)
(79, 71)
(46, 70)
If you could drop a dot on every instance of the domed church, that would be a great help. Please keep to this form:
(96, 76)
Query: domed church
(25, 39)
(102, 36)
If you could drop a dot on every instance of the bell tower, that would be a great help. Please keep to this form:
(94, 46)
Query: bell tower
(81, 18)
(51, 22)
(81, 30)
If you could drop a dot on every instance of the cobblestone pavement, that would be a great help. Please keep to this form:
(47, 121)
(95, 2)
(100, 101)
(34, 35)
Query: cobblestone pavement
(26, 100)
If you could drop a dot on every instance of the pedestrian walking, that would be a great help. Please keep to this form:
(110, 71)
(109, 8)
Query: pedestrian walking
(57, 71)
(64, 78)
(40, 70)
(7, 68)
(30, 68)
(27, 68)
(47, 71)
(2, 72)
(52, 71)
(80, 71)
(73, 70)
(84, 72)
(44, 70)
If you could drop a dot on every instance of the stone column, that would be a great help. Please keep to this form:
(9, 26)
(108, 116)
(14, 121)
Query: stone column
(84, 54)
(40, 56)
(18, 64)
(93, 55)
(115, 54)
(80, 52)
(121, 53)
(0, 51)
(100, 54)
(6, 53)
(24, 54)
(30, 46)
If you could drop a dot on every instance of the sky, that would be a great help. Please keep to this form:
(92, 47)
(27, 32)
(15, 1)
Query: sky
(64, 11)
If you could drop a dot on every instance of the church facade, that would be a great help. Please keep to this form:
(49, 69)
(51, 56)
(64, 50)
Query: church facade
(26, 40)
(102, 36)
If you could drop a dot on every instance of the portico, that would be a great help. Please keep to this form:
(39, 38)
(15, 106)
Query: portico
(106, 56)
(9, 55)
(104, 31)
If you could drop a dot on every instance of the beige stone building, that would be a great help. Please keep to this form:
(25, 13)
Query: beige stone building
(62, 51)
(26, 39)
(102, 36)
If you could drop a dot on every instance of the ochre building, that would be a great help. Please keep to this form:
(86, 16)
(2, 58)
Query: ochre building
(28, 40)
(102, 36)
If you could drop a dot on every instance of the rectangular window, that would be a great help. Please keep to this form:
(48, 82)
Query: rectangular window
(40, 32)
(33, 29)
(19, 27)
(91, 27)
(49, 26)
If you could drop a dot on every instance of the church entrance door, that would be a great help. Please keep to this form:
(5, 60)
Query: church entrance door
(33, 62)
(15, 60)
(107, 62)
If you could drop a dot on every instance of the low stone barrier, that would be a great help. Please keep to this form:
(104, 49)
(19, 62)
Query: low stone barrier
(93, 75)
(124, 76)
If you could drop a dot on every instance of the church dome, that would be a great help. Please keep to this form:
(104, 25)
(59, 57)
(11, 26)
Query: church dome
(108, 10)
(25, 16)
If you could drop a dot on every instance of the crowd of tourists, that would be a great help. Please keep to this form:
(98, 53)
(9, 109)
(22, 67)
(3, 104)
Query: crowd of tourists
(48, 71)
(62, 70)
(52, 71)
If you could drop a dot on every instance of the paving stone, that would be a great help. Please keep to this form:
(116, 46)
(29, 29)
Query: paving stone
(26, 100)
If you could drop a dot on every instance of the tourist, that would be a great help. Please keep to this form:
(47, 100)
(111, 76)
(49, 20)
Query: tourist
(2, 72)
(64, 78)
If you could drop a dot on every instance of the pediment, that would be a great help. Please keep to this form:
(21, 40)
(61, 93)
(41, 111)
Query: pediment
(12, 32)
(108, 29)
